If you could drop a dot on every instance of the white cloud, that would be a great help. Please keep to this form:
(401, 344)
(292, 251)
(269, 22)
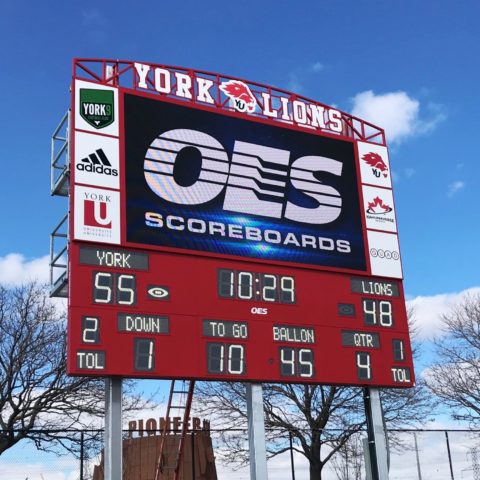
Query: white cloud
(15, 269)
(429, 310)
(397, 113)
(317, 67)
(294, 84)
(455, 187)
(35, 465)
(301, 73)
(93, 18)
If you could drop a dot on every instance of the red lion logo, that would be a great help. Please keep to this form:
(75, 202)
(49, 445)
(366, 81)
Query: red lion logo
(240, 94)
(376, 162)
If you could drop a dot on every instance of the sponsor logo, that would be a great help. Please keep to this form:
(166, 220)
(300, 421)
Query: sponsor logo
(158, 292)
(96, 212)
(379, 167)
(97, 107)
(243, 99)
(96, 217)
(378, 207)
(259, 311)
(97, 162)
(387, 254)
(255, 179)
(384, 255)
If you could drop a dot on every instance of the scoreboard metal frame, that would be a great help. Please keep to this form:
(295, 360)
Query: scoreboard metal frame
(226, 230)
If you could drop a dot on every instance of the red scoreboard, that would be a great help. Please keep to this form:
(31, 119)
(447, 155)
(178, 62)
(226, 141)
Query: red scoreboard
(226, 230)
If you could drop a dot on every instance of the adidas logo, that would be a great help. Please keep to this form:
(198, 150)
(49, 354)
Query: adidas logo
(97, 163)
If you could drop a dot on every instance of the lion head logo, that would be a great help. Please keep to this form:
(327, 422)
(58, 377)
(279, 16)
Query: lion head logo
(243, 98)
(379, 167)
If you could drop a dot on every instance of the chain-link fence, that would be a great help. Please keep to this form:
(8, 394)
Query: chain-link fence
(414, 454)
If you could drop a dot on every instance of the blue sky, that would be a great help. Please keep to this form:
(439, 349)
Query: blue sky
(411, 67)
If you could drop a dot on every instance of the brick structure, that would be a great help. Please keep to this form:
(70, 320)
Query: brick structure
(140, 457)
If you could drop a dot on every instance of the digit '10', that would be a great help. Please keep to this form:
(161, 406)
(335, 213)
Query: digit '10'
(377, 312)
(116, 288)
(226, 358)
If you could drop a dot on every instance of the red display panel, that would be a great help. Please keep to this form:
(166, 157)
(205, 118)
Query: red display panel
(148, 314)
(225, 230)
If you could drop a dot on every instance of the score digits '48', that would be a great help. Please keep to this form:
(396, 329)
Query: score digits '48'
(226, 239)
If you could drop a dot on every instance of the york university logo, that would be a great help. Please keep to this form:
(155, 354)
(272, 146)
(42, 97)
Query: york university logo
(379, 167)
(96, 214)
(241, 96)
(253, 181)
(97, 107)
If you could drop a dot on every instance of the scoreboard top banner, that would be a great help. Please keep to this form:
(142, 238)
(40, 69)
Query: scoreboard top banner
(175, 159)
(198, 88)
(221, 229)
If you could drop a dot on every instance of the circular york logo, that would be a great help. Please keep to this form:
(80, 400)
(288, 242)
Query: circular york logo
(388, 254)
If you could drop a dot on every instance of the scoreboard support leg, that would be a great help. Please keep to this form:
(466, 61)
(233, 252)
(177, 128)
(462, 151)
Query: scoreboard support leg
(113, 457)
(256, 432)
(378, 449)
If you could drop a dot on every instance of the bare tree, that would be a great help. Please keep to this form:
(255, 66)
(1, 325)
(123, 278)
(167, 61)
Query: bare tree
(455, 377)
(348, 462)
(38, 401)
(320, 418)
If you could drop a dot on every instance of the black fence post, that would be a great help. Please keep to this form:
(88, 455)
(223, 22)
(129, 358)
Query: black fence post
(82, 452)
(291, 455)
(449, 455)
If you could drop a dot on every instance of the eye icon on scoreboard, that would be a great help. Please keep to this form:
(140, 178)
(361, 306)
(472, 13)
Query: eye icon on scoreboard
(346, 309)
(158, 292)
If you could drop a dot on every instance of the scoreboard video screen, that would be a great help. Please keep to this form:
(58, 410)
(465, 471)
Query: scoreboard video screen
(225, 230)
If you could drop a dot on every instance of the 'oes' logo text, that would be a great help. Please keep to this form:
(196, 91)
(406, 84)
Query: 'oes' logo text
(255, 181)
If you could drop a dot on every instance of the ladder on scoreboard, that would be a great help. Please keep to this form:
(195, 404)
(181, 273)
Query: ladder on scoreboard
(180, 400)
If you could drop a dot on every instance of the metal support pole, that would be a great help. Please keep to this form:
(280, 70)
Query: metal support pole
(291, 455)
(113, 458)
(449, 455)
(193, 455)
(376, 434)
(417, 456)
(366, 456)
(256, 432)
